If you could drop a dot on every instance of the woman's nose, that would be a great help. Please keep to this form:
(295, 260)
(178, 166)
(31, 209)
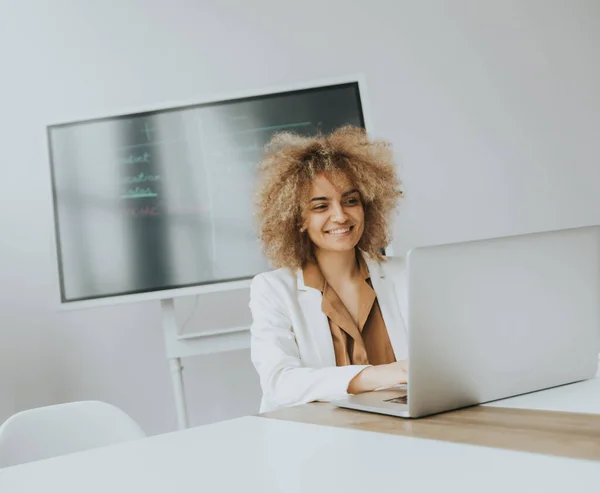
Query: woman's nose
(339, 214)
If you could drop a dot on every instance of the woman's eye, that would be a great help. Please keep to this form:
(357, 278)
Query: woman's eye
(320, 207)
(352, 201)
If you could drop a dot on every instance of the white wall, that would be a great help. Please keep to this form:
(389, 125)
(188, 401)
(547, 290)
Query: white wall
(492, 107)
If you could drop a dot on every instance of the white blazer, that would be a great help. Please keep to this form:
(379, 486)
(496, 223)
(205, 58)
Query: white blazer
(291, 343)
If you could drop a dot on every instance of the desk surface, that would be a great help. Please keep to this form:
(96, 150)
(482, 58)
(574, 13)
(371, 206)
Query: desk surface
(573, 435)
(563, 421)
(581, 397)
(255, 454)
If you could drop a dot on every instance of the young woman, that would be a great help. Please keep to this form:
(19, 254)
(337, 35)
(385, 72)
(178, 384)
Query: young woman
(327, 322)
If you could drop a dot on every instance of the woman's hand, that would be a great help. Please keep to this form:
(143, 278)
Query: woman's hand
(380, 376)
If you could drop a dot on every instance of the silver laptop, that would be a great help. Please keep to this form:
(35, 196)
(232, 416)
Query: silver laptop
(491, 319)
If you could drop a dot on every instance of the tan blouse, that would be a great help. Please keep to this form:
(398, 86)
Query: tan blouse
(367, 343)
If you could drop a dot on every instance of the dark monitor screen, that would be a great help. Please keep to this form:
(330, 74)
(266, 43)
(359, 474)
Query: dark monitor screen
(164, 199)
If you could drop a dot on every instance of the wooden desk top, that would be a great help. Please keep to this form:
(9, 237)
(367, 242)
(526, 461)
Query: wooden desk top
(574, 435)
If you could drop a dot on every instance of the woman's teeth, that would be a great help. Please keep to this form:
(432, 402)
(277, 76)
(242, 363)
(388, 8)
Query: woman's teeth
(338, 231)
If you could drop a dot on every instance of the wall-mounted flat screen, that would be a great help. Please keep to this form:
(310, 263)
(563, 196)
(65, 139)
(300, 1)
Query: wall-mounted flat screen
(162, 200)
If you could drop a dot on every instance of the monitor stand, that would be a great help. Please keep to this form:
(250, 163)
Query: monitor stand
(171, 331)
(179, 345)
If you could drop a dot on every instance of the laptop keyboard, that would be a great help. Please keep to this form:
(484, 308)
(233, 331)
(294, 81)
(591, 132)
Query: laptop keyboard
(403, 399)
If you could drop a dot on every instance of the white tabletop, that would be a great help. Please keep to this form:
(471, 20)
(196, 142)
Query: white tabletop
(254, 454)
(580, 397)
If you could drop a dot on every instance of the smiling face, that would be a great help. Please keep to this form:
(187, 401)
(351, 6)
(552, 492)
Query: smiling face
(334, 217)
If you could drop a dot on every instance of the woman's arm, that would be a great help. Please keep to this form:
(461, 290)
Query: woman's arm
(284, 379)
(380, 376)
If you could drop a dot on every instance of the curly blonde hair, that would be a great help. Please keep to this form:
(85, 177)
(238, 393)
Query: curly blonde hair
(290, 165)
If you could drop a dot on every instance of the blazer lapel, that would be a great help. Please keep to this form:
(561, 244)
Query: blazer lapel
(389, 303)
(317, 325)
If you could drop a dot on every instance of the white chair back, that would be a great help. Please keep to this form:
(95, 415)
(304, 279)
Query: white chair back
(46, 432)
